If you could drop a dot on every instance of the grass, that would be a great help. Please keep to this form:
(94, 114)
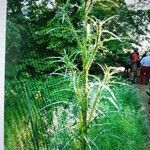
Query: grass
(119, 130)
(43, 115)
(29, 107)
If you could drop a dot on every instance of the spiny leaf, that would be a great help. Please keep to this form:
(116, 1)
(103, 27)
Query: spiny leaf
(106, 31)
(108, 19)
(112, 101)
(110, 1)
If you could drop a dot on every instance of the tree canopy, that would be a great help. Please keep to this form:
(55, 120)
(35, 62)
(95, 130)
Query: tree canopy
(41, 30)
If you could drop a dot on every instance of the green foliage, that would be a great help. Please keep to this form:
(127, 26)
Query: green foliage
(29, 107)
(62, 112)
(44, 115)
(118, 131)
(57, 35)
(18, 38)
(44, 31)
(128, 98)
(14, 36)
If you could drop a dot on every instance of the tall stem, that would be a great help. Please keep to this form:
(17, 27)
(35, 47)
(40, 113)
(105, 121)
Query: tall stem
(85, 88)
(84, 109)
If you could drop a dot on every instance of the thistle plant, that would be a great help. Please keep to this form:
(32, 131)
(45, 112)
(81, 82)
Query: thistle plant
(90, 39)
(93, 39)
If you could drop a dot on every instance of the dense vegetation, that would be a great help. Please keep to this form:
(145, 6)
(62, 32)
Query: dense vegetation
(61, 89)
(42, 115)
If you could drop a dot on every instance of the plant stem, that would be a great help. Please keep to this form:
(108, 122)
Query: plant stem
(84, 109)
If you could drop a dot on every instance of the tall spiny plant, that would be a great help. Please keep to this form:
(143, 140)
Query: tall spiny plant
(92, 40)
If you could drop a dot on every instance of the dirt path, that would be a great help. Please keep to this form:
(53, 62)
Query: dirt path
(145, 111)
